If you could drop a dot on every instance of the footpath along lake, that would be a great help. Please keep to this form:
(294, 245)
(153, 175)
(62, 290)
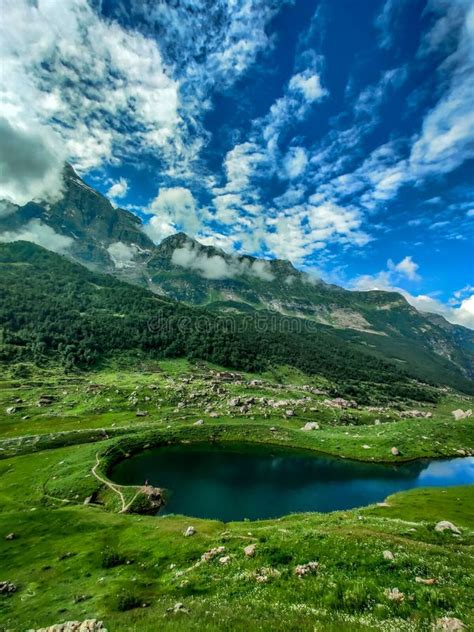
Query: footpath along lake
(227, 483)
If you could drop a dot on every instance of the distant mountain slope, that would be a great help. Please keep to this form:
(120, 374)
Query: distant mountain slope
(94, 227)
(111, 240)
(53, 309)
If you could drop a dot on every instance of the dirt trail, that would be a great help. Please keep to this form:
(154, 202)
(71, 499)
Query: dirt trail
(113, 487)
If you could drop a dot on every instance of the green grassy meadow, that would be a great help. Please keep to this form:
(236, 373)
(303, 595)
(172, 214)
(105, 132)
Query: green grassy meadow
(74, 561)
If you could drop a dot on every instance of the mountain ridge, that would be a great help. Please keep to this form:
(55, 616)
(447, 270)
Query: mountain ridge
(112, 240)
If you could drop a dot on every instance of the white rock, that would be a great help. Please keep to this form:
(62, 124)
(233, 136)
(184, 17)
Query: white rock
(306, 569)
(388, 555)
(394, 595)
(189, 531)
(448, 624)
(444, 525)
(199, 422)
(310, 425)
(250, 550)
(461, 414)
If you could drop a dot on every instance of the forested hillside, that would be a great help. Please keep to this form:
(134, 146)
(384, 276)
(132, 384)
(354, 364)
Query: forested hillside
(53, 310)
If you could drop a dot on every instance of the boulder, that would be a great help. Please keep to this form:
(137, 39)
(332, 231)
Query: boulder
(250, 550)
(178, 608)
(45, 400)
(189, 532)
(444, 525)
(263, 575)
(11, 410)
(199, 422)
(394, 595)
(310, 425)
(7, 588)
(448, 624)
(461, 414)
(225, 559)
(209, 555)
(388, 555)
(395, 451)
(141, 413)
(306, 569)
(427, 582)
(11, 536)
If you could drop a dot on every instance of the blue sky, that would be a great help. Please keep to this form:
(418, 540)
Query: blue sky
(336, 134)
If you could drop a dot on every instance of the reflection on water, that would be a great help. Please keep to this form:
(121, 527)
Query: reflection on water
(216, 481)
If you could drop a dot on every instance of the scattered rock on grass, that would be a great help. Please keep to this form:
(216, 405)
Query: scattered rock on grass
(395, 451)
(209, 555)
(427, 582)
(7, 588)
(11, 536)
(444, 525)
(394, 595)
(461, 414)
(89, 625)
(311, 425)
(199, 422)
(250, 550)
(224, 560)
(178, 608)
(306, 569)
(263, 575)
(448, 624)
(389, 556)
(189, 531)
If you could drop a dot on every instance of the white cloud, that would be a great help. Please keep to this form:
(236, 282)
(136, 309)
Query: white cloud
(122, 255)
(446, 138)
(219, 267)
(295, 162)
(174, 209)
(7, 208)
(309, 85)
(31, 163)
(99, 86)
(41, 234)
(118, 190)
(406, 267)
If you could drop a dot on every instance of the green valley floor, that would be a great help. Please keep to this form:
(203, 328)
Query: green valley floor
(382, 567)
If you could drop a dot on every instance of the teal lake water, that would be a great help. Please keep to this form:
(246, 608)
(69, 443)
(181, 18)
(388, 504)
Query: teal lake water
(233, 483)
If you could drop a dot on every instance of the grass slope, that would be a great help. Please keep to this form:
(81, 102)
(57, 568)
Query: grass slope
(71, 561)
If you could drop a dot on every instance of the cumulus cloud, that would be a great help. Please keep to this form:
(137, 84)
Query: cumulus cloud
(309, 85)
(216, 266)
(118, 190)
(174, 209)
(311, 226)
(100, 87)
(41, 234)
(239, 202)
(295, 162)
(122, 255)
(406, 267)
(31, 164)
